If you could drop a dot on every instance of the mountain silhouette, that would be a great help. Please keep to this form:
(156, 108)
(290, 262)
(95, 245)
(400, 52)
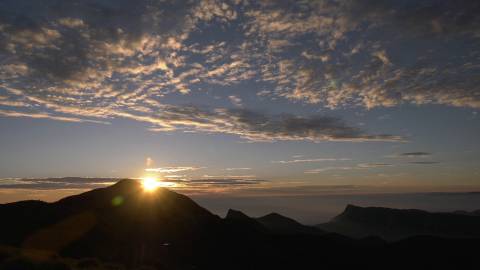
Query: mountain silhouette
(396, 224)
(471, 213)
(280, 224)
(161, 229)
(237, 219)
(121, 222)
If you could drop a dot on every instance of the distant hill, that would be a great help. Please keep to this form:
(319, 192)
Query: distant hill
(471, 213)
(124, 225)
(396, 224)
(280, 224)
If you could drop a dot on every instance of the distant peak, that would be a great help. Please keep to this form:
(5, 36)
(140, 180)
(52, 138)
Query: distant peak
(277, 217)
(274, 215)
(350, 211)
(352, 206)
(235, 214)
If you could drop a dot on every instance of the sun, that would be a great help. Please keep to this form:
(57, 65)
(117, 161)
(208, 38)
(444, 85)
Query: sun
(152, 183)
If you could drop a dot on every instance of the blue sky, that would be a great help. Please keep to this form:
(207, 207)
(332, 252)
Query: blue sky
(234, 96)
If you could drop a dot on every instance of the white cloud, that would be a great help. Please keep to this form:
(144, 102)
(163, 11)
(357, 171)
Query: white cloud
(238, 169)
(236, 101)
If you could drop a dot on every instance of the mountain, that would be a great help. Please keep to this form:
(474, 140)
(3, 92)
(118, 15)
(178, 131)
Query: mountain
(280, 224)
(471, 213)
(121, 222)
(125, 225)
(237, 219)
(395, 224)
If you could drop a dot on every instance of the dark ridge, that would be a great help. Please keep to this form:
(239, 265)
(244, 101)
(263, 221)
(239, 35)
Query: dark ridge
(238, 221)
(472, 213)
(285, 225)
(126, 225)
(394, 224)
(237, 215)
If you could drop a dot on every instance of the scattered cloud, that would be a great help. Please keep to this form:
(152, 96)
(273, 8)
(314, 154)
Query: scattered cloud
(309, 160)
(424, 162)
(175, 176)
(37, 115)
(411, 155)
(173, 169)
(415, 154)
(149, 161)
(374, 165)
(96, 61)
(83, 183)
(320, 170)
(236, 101)
(228, 176)
(255, 126)
(223, 182)
(348, 168)
(56, 183)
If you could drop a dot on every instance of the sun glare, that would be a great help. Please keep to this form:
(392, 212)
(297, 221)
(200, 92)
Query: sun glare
(151, 183)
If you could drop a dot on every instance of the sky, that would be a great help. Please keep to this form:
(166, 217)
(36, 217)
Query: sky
(240, 98)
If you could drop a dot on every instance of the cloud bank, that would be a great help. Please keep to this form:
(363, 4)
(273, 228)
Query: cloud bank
(99, 60)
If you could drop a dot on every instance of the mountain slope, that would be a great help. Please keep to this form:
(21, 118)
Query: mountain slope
(121, 222)
(395, 224)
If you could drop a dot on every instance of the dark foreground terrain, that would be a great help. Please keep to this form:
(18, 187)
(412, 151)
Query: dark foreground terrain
(123, 227)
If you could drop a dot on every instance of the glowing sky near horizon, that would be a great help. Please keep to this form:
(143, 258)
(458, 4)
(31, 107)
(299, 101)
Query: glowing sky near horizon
(235, 95)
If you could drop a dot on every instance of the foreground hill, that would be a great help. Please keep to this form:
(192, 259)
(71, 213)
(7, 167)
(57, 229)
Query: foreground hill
(124, 225)
(395, 224)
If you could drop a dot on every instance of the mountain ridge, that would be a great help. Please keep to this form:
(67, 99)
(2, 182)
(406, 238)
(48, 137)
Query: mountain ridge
(125, 224)
(395, 224)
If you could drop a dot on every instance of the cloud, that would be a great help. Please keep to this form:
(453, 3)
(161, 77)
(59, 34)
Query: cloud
(320, 170)
(424, 162)
(175, 176)
(56, 183)
(374, 165)
(149, 161)
(173, 169)
(224, 182)
(309, 160)
(236, 101)
(39, 115)
(348, 168)
(238, 169)
(96, 61)
(255, 126)
(337, 38)
(229, 176)
(415, 154)
(205, 184)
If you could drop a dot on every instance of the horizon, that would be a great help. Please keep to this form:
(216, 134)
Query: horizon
(307, 207)
(300, 107)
